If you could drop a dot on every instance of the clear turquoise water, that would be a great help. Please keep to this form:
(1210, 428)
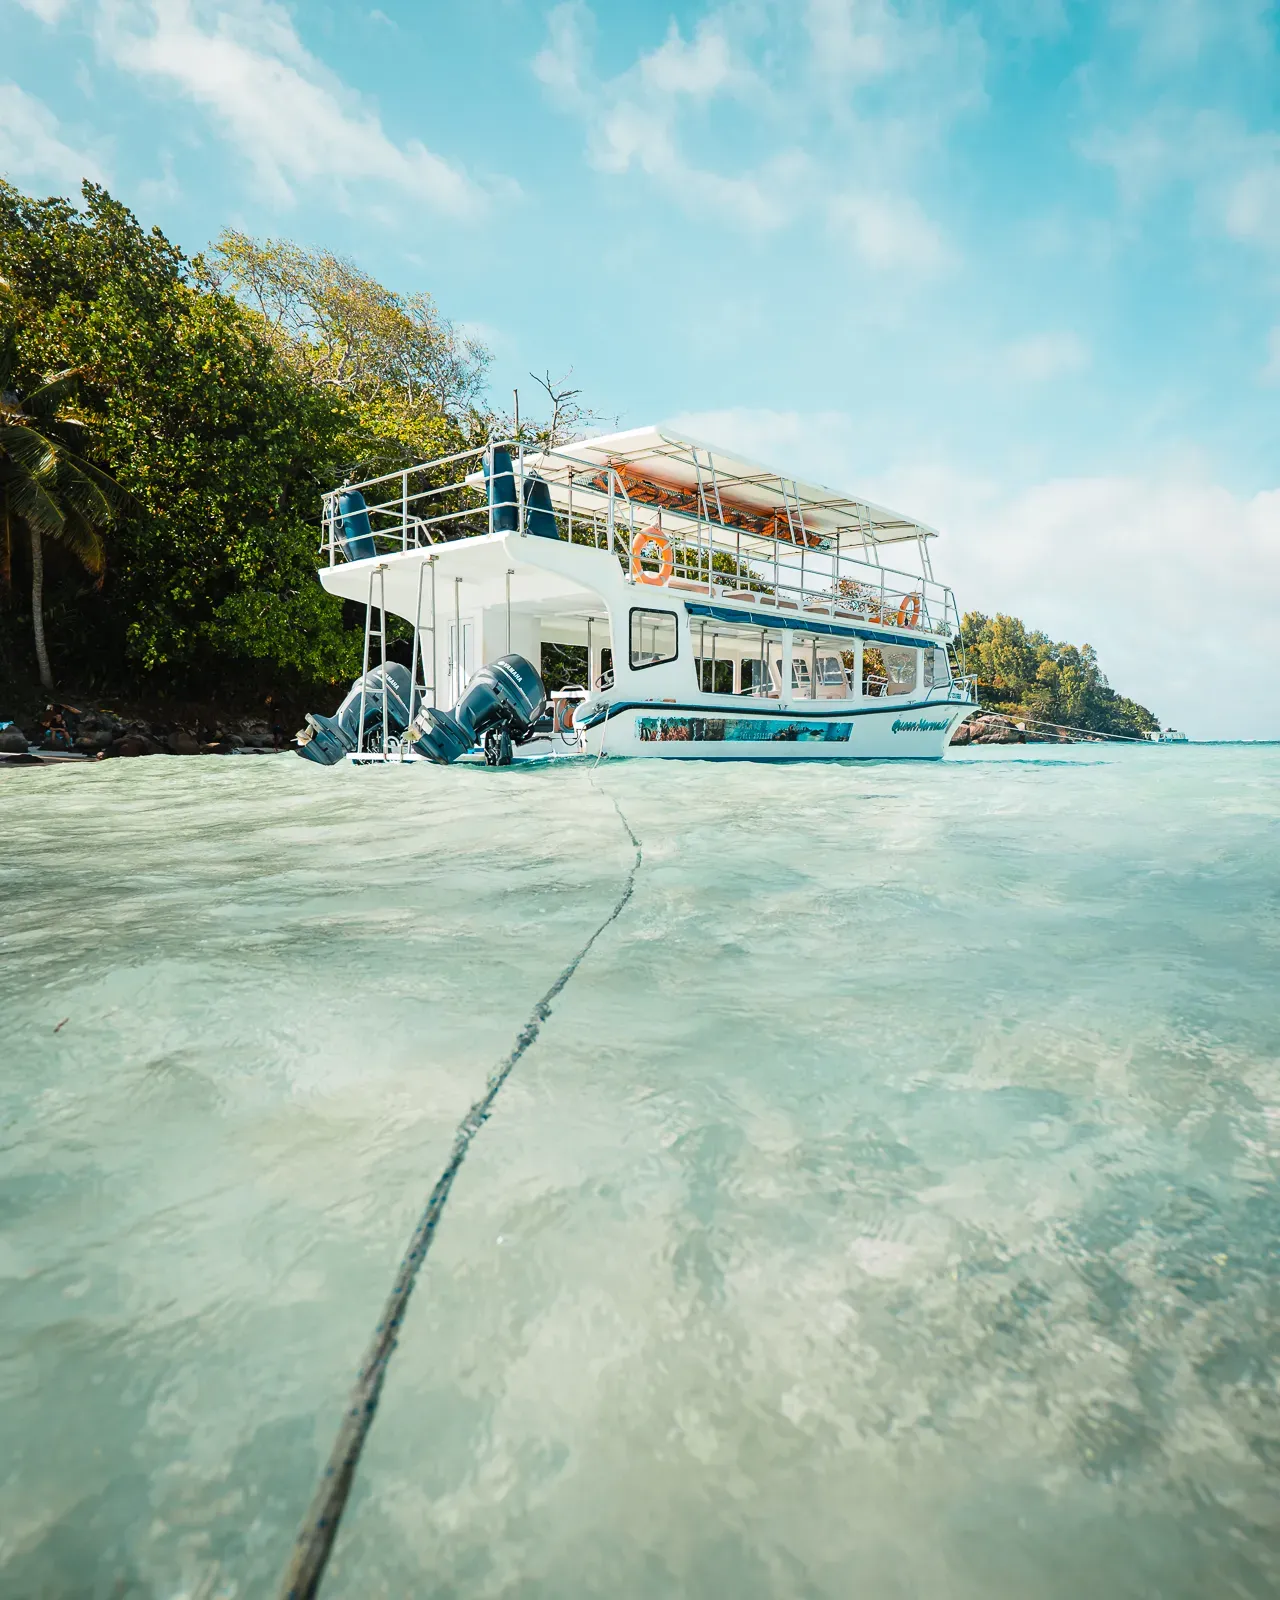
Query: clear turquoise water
(889, 1207)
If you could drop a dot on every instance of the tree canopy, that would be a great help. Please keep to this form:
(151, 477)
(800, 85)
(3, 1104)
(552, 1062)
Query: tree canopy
(407, 374)
(1026, 675)
(224, 421)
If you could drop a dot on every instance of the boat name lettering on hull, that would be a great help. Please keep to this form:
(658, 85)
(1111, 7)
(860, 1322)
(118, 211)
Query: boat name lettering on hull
(920, 725)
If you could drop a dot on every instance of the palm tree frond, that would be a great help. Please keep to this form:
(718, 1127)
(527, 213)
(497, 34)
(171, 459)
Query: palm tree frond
(116, 499)
(47, 401)
(55, 463)
(31, 502)
(46, 481)
(80, 495)
(82, 539)
(30, 450)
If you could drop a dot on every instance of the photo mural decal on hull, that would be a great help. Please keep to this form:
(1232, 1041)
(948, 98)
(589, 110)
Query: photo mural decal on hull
(746, 730)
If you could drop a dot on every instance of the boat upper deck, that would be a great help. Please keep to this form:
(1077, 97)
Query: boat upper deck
(649, 508)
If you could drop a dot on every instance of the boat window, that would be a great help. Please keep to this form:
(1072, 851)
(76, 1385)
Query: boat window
(714, 676)
(799, 673)
(830, 672)
(754, 676)
(653, 638)
(899, 668)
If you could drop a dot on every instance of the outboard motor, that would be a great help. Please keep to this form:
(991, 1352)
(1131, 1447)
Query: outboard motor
(328, 739)
(498, 706)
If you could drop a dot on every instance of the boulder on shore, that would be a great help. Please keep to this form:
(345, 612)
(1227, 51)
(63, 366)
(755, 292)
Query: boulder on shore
(100, 733)
(988, 728)
(96, 732)
(134, 742)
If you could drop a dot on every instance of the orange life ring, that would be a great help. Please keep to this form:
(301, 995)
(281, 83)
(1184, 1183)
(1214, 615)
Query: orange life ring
(910, 602)
(652, 538)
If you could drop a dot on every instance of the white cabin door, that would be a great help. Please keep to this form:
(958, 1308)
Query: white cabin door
(462, 657)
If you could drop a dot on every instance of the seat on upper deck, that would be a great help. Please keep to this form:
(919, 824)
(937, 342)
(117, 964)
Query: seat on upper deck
(500, 486)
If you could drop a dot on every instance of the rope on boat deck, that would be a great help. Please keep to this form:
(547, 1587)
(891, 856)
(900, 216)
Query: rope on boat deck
(320, 1525)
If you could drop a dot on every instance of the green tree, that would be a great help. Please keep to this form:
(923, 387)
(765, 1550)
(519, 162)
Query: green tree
(412, 380)
(223, 447)
(1026, 674)
(47, 484)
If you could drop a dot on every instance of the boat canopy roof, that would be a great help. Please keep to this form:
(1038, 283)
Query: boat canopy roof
(689, 478)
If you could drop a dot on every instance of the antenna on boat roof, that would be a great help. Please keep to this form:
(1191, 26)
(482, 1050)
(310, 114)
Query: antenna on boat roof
(516, 394)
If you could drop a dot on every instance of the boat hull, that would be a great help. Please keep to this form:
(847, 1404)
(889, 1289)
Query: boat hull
(917, 732)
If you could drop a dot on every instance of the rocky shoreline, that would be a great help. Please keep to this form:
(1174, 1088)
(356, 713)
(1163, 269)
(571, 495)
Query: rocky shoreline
(989, 727)
(63, 730)
(100, 734)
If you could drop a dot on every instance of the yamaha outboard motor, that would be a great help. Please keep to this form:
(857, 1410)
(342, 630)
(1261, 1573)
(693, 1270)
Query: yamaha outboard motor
(328, 739)
(498, 706)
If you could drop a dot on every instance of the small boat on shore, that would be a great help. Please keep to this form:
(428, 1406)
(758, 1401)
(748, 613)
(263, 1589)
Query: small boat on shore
(719, 609)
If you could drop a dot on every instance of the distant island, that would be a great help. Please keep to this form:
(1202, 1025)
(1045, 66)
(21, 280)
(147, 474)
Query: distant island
(1027, 679)
(167, 426)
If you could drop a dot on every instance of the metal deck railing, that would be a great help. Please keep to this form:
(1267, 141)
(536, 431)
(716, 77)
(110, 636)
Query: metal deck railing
(701, 553)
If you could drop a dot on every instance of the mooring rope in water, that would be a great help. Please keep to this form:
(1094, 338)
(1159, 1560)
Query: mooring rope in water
(320, 1525)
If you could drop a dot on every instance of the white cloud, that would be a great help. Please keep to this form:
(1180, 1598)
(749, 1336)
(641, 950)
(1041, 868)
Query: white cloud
(1163, 576)
(1232, 173)
(49, 11)
(790, 441)
(638, 121)
(31, 147)
(563, 64)
(1176, 584)
(699, 69)
(631, 136)
(632, 120)
(294, 121)
(1143, 158)
(857, 40)
(1251, 202)
(1174, 33)
(633, 124)
(930, 67)
(1045, 356)
(889, 232)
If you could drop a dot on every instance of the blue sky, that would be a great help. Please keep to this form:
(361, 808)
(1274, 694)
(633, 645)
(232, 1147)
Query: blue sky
(1014, 267)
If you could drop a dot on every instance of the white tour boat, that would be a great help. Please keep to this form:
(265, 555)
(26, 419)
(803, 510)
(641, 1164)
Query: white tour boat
(718, 610)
